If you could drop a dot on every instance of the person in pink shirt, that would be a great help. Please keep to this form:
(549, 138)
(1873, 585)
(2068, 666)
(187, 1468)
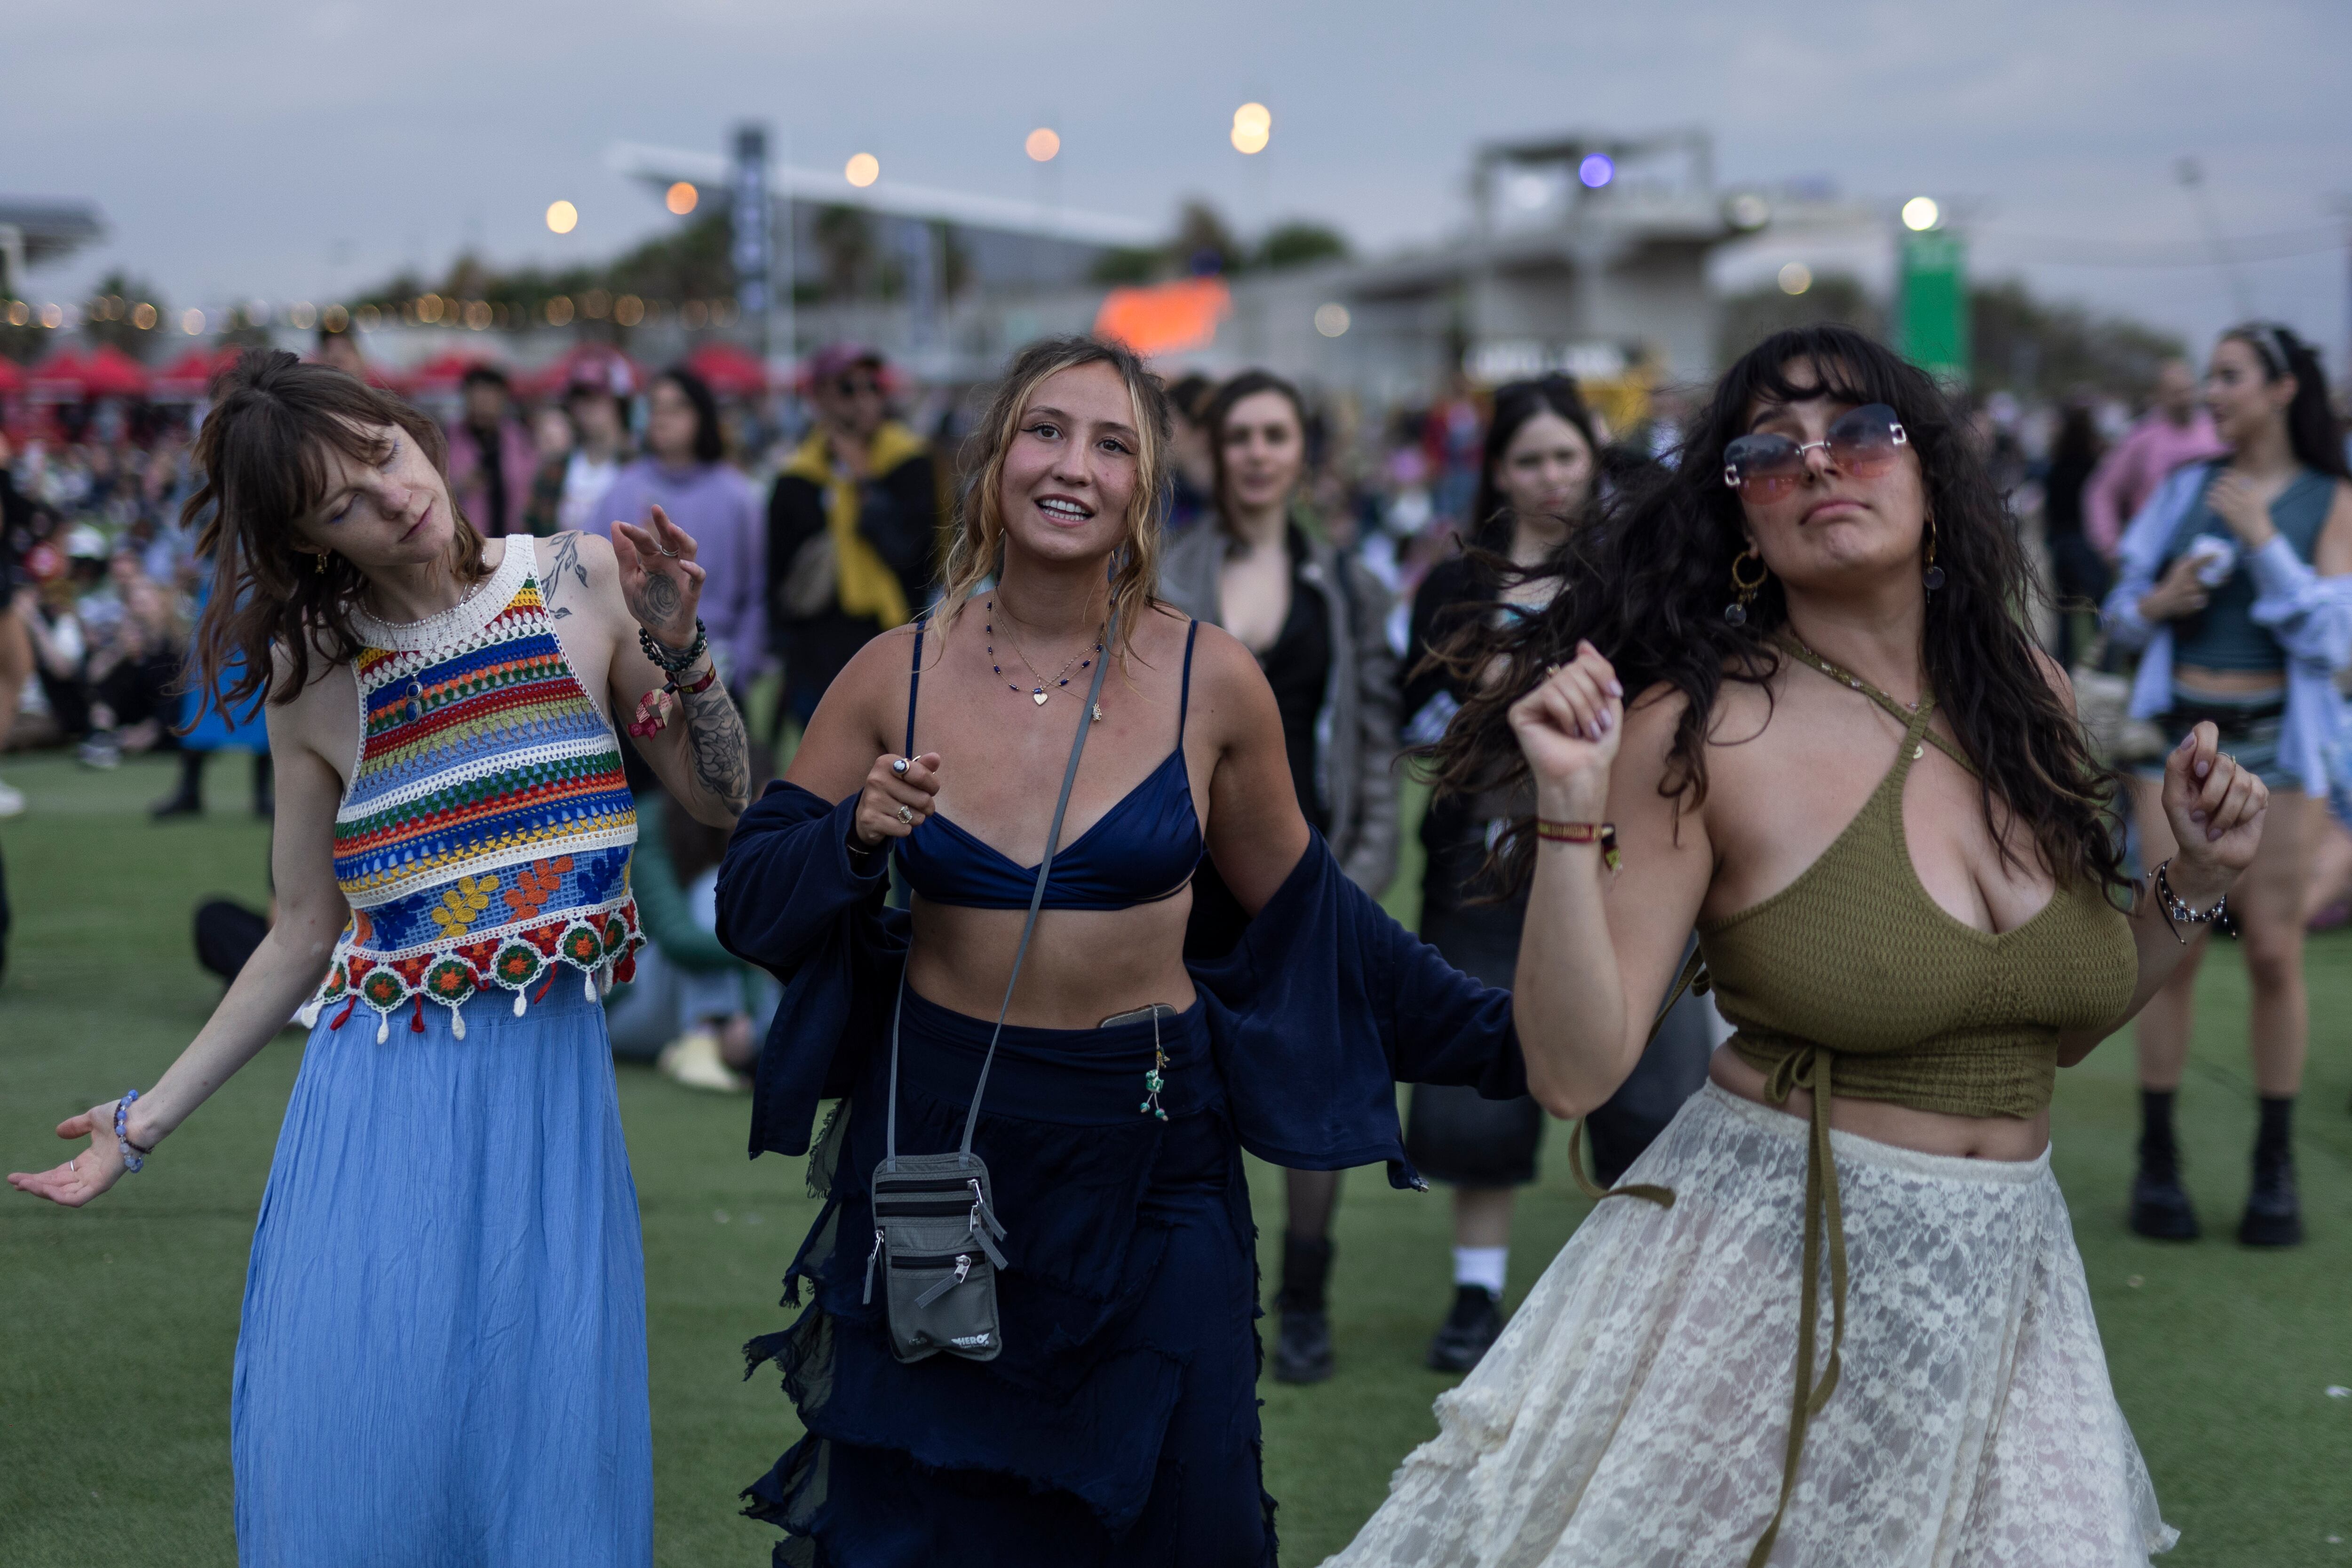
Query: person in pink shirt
(2174, 430)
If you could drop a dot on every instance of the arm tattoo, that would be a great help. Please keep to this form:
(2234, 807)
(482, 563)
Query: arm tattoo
(716, 748)
(567, 563)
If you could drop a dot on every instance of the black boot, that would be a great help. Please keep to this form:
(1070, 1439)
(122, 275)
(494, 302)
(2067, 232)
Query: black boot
(2273, 1215)
(2160, 1209)
(1303, 1352)
(1469, 1329)
(187, 798)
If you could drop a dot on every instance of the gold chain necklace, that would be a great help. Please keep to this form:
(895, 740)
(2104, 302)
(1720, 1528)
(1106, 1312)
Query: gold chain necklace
(1804, 651)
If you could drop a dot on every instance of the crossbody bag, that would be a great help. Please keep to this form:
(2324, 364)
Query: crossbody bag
(935, 1225)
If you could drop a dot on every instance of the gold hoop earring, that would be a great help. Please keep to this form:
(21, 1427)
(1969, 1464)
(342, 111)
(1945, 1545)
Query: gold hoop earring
(1933, 578)
(319, 564)
(1743, 590)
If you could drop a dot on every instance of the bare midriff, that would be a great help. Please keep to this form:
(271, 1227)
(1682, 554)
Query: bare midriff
(1883, 1121)
(1084, 965)
(2229, 682)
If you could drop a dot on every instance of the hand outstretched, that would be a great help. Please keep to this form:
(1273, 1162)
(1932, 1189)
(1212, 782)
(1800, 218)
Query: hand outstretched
(1570, 727)
(659, 579)
(90, 1172)
(2215, 808)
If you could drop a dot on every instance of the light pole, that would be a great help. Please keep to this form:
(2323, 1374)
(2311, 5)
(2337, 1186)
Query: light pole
(2191, 175)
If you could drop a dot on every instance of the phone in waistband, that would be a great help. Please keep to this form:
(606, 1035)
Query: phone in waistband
(1138, 1014)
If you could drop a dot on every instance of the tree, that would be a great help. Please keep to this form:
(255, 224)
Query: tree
(1750, 317)
(1298, 243)
(2040, 351)
(114, 315)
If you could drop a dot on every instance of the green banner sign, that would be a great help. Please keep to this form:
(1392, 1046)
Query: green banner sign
(1934, 325)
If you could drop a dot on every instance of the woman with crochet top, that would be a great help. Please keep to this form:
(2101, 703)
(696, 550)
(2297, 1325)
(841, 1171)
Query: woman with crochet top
(1103, 1410)
(1788, 678)
(442, 1357)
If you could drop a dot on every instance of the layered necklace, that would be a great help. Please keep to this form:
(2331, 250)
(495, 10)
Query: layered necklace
(1037, 691)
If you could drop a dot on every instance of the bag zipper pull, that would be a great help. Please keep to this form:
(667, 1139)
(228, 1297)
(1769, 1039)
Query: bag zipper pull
(962, 1272)
(986, 1216)
(870, 1258)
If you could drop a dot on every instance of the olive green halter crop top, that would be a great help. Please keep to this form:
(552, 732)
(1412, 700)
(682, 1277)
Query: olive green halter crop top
(1853, 981)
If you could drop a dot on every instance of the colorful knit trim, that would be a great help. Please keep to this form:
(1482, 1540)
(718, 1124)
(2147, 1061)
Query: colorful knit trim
(591, 941)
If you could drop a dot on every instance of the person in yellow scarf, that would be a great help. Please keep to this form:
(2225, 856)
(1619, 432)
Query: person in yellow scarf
(852, 527)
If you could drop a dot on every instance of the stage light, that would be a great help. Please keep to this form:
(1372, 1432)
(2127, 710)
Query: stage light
(680, 197)
(1253, 128)
(302, 316)
(563, 218)
(1919, 214)
(1597, 170)
(1796, 278)
(863, 169)
(1041, 144)
(142, 316)
(191, 322)
(1331, 320)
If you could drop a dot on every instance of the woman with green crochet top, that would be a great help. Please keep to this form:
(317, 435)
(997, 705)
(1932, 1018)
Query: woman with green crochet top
(1845, 765)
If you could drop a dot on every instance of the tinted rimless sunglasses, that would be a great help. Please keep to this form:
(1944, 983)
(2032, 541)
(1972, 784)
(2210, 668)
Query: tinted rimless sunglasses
(1861, 442)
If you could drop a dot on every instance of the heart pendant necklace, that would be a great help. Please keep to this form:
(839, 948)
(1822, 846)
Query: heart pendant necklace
(1037, 692)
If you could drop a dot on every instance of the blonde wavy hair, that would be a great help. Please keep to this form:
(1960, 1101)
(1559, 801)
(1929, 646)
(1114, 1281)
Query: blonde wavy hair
(976, 551)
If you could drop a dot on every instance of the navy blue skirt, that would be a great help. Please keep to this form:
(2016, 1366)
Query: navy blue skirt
(1119, 1424)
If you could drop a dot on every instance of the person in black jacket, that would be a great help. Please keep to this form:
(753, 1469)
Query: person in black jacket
(1541, 471)
(853, 528)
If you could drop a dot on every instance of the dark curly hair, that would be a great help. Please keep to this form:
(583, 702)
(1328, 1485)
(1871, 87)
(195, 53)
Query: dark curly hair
(262, 456)
(1647, 583)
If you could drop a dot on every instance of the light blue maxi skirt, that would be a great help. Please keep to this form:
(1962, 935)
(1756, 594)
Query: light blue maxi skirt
(442, 1363)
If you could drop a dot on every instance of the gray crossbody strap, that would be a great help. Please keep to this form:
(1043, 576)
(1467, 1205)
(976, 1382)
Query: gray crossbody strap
(1028, 927)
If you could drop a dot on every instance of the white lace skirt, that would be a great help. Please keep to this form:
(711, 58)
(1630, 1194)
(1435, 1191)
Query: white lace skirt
(1635, 1413)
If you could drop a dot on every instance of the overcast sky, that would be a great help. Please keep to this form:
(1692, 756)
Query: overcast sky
(292, 149)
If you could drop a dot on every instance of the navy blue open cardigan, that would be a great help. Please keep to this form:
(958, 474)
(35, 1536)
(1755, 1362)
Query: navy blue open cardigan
(1324, 1005)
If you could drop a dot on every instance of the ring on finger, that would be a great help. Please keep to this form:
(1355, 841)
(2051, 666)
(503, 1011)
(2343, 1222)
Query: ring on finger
(899, 766)
(907, 814)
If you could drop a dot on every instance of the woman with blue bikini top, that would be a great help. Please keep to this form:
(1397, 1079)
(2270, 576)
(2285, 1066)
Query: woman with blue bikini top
(1117, 1419)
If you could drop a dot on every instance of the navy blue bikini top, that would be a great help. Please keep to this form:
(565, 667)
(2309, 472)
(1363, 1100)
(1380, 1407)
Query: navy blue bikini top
(1141, 850)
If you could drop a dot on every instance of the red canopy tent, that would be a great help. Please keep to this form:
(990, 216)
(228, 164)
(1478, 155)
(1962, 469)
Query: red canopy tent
(441, 373)
(597, 363)
(732, 372)
(106, 372)
(190, 377)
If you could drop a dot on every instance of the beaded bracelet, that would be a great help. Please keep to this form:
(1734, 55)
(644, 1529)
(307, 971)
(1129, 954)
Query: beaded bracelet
(1601, 833)
(133, 1156)
(670, 660)
(2177, 914)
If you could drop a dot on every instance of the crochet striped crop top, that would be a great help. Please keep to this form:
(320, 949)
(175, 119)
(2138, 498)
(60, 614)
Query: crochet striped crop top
(484, 838)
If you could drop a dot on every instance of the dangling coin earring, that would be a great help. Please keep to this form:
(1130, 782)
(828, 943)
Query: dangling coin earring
(1934, 576)
(319, 564)
(1735, 612)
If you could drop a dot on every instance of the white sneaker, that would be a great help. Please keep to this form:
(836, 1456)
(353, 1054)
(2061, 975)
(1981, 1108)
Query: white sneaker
(693, 1059)
(12, 801)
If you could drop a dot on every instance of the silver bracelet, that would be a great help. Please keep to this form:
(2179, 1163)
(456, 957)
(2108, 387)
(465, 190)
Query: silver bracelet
(2177, 914)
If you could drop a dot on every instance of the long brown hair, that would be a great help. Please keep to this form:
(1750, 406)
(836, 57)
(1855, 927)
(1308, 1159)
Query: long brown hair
(1647, 580)
(263, 454)
(977, 549)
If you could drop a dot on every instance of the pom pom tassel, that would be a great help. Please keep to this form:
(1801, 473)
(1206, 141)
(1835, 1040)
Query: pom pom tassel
(521, 1002)
(309, 1016)
(458, 1023)
(382, 1027)
(416, 1021)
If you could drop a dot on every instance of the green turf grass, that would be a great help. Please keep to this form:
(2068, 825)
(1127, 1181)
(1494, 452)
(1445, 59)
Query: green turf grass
(120, 1320)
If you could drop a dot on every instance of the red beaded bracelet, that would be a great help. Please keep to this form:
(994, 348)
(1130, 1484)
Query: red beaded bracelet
(1601, 833)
